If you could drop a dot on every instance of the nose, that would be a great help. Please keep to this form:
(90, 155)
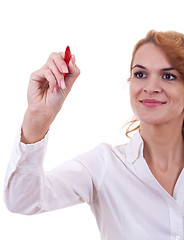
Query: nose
(152, 86)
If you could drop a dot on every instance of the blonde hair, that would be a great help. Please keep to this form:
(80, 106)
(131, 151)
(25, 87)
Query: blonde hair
(172, 44)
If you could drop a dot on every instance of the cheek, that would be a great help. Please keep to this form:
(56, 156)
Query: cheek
(177, 94)
(134, 91)
(180, 104)
(177, 99)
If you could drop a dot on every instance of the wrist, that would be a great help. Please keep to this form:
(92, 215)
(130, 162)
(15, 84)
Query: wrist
(34, 127)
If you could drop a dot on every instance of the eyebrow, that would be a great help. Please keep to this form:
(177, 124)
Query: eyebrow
(167, 69)
(139, 66)
(163, 69)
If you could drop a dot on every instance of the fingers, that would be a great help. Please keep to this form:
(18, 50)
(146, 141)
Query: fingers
(53, 72)
(58, 67)
(73, 69)
(44, 77)
(58, 74)
(58, 59)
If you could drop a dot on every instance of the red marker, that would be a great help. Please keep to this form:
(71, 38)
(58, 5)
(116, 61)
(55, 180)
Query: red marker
(67, 56)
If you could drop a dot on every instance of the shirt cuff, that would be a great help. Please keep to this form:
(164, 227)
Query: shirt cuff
(31, 146)
(26, 158)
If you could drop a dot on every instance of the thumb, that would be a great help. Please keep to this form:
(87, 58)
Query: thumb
(73, 69)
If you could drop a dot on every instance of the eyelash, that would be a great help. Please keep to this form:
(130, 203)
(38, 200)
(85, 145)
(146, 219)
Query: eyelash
(137, 73)
(171, 76)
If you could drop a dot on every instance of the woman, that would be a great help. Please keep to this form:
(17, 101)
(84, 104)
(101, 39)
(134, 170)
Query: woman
(136, 191)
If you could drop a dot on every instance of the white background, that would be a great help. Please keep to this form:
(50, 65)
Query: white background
(101, 34)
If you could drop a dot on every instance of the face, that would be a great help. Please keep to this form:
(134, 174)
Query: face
(156, 89)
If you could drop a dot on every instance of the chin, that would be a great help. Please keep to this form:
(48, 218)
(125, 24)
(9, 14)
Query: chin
(151, 120)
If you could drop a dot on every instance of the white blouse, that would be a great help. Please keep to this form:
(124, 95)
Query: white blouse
(126, 199)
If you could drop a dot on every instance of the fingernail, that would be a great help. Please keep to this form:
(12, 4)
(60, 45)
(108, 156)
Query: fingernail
(73, 59)
(63, 86)
(64, 69)
(54, 91)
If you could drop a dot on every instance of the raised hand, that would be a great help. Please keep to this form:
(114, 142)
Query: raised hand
(47, 91)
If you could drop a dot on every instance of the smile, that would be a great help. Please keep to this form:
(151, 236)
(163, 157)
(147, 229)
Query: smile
(151, 102)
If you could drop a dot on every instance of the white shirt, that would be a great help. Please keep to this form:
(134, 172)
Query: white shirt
(126, 199)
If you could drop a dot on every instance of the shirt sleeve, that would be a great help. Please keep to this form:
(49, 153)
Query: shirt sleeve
(30, 190)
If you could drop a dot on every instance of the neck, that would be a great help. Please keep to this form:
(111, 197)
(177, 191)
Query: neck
(163, 145)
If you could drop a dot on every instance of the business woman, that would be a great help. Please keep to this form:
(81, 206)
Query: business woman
(135, 190)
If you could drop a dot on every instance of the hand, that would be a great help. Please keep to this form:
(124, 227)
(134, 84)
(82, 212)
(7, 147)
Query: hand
(47, 91)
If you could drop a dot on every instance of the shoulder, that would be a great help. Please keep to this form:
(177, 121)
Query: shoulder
(105, 153)
(102, 157)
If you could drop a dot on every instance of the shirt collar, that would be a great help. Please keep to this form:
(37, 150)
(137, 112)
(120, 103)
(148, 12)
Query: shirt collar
(131, 151)
(134, 148)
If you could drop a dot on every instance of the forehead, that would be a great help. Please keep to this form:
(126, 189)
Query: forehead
(151, 56)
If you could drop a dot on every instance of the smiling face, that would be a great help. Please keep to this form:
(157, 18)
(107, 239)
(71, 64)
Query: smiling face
(156, 88)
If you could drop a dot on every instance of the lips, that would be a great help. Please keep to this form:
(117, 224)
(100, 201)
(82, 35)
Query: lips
(151, 102)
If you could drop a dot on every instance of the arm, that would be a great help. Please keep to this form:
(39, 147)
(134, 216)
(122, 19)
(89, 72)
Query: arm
(30, 190)
(27, 185)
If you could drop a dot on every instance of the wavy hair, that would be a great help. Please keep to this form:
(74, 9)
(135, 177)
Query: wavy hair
(172, 44)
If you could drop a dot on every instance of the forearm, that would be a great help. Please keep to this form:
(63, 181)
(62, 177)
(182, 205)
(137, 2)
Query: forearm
(25, 179)
(30, 190)
(35, 126)
(23, 176)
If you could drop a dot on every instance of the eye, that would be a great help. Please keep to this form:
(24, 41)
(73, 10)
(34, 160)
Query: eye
(140, 75)
(169, 76)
